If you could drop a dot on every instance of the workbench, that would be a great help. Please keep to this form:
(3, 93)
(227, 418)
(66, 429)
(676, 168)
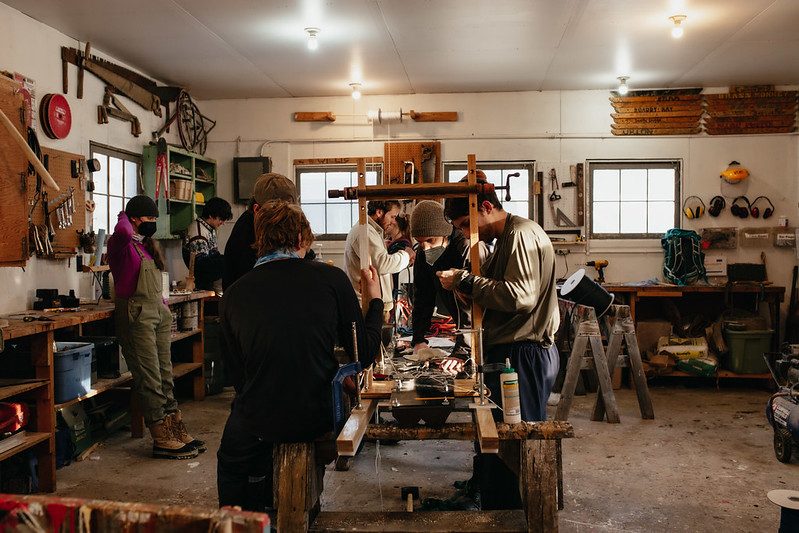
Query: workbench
(646, 301)
(39, 387)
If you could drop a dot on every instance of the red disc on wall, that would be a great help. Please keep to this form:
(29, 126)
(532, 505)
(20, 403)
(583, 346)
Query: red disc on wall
(59, 116)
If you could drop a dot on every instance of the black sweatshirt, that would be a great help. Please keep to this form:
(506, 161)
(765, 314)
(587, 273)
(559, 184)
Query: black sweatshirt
(279, 325)
(240, 256)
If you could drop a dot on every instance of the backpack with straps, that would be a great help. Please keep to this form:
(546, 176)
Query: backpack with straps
(684, 260)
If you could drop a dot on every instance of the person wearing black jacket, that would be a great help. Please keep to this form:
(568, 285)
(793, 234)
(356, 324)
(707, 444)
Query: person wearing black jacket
(279, 325)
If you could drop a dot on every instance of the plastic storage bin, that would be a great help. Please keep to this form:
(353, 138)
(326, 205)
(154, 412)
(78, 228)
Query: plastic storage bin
(72, 370)
(746, 350)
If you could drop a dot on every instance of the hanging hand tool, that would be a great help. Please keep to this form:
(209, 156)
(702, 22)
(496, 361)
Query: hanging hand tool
(554, 181)
(572, 177)
(47, 222)
(29, 154)
(162, 172)
(507, 185)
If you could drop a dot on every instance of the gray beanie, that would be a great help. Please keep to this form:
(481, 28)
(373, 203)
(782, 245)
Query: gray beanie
(427, 220)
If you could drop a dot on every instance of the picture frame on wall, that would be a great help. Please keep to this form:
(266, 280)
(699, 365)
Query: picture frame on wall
(246, 171)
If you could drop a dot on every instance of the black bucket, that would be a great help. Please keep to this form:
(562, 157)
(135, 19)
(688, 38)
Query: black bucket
(582, 290)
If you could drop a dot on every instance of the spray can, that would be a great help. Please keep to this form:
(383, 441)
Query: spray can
(511, 407)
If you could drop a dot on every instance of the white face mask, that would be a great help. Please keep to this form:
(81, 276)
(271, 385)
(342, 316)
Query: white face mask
(433, 254)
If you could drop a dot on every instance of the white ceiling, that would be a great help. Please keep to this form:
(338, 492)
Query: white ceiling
(257, 48)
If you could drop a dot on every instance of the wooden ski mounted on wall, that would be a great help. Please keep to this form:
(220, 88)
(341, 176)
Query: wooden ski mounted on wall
(668, 112)
(417, 116)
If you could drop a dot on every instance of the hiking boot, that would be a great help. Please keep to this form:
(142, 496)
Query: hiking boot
(178, 428)
(166, 446)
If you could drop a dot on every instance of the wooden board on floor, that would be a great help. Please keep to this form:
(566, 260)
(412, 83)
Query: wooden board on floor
(402, 522)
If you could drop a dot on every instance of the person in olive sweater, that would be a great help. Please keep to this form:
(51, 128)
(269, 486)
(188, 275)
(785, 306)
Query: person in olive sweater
(279, 325)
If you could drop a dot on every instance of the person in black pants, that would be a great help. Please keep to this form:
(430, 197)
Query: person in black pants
(279, 325)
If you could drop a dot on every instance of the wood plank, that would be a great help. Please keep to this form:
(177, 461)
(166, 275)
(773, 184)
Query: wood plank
(354, 429)
(486, 428)
(781, 96)
(681, 113)
(650, 131)
(659, 92)
(539, 481)
(753, 111)
(314, 116)
(337, 160)
(742, 123)
(434, 116)
(605, 384)
(657, 120)
(751, 131)
(293, 473)
(778, 120)
(656, 126)
(657, 98)
(525, 430)
(657, 108)
(437, 522)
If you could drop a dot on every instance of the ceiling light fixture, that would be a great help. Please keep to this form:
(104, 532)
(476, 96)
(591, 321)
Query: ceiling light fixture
(356, 90)
(623, 89)
(313, 41)
(677, 30)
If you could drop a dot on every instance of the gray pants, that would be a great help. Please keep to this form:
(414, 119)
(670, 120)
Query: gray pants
(143, 328)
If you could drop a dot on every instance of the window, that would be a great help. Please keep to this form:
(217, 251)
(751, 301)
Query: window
(521, 187)
(331, 218)
(114, 184)
(633, 199)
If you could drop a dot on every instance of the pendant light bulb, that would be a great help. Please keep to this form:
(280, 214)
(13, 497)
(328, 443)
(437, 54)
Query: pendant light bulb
(677, 30)
(356, 90)
(623, 89)
(313, 40)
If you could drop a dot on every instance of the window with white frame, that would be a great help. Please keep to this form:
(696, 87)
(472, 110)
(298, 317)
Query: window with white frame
(114, 184)
(521, 186)
(331, 218)
(633, 199)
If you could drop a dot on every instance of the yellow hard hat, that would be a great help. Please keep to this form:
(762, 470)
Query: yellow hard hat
(734, 173)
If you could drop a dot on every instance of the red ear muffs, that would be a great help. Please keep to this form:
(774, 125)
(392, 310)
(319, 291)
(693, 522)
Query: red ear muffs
(767, 212)
(717, 205)
(739, 210)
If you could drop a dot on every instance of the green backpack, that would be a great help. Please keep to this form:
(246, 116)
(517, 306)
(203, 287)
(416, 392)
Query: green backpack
(684, 260)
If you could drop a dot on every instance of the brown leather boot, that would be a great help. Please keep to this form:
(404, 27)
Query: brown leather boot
(167, 446)
(175, 422)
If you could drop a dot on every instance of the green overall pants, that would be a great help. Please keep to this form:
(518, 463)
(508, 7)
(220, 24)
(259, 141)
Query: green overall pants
(143, 326)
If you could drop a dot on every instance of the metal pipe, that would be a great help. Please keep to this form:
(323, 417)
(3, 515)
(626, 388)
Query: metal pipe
(414, 190)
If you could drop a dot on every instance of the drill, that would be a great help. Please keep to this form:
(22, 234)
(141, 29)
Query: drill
(599, 265)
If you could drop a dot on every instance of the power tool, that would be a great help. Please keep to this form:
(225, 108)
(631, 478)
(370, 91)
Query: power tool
(782, 410)
(599, 265)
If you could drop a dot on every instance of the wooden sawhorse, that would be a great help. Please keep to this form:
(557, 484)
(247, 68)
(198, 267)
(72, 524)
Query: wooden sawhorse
(297, 496)
(620, 326)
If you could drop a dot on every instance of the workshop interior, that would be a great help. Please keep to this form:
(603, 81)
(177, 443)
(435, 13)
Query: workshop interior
(654, 145)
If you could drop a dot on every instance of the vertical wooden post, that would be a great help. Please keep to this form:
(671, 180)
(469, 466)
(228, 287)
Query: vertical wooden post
(474, 257)
(293, 494)
(539, 480)
(42, 359)
(363, 236)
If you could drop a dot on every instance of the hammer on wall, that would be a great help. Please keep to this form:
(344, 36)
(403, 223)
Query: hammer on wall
(409, 494)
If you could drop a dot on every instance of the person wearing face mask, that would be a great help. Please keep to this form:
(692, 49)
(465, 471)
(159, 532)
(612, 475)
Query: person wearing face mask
(440, 247)
(143, 322)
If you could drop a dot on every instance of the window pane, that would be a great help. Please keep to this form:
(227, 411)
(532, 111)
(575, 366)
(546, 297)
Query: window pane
(606, 185)
(100, 177)
(516, 208)
(606, 217)
(316, 217)
(633, 217)
(338, 218)
(519, 186)
(100, 215)
(339, 180)
(661, 216)
(661, 184)
(312, 187)
(131, 179)
(371, 178)
(115, 205)
(633, 184)
(115, 180)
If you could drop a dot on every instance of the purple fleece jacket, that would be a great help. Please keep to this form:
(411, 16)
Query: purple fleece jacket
(125, 263)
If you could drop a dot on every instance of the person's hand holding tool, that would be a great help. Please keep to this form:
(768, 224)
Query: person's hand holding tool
(370, 284)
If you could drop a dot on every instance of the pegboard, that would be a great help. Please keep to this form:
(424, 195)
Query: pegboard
(425, 158)
(562, 186)
(68, 171)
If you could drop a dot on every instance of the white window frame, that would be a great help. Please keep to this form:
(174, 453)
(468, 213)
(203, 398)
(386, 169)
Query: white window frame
(110, 197)
(648, 164)
(455, 170)
(299, 170)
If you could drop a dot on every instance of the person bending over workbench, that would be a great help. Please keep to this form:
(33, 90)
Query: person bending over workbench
(143, 323)
(517, 292)
(201, 240)
(279, 325)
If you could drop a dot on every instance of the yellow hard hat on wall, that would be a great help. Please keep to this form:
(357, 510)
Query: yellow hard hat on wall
(734, 173)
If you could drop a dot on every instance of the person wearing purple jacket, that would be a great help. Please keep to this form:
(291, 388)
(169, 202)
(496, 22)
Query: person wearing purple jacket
(143, 322)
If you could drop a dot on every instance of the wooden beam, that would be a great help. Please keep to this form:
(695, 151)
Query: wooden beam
(434, 116)
(314, 116)
(548, 430)
(486, 429)
(354, 429)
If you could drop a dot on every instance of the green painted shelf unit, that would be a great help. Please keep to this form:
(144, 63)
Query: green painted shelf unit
(199, 177)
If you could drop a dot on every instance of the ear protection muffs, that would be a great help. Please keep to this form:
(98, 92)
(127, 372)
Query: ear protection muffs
(696, 211)
(767, 212)
(739, 210)
(717, 205)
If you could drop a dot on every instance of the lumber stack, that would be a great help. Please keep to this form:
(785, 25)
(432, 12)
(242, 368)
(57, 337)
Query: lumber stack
(755, 110)
(666, 112)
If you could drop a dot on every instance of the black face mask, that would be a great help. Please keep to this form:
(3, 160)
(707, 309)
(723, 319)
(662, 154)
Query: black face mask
(147, 229)
(433, 254)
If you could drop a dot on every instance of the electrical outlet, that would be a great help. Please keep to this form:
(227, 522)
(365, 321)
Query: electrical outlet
(563, 252)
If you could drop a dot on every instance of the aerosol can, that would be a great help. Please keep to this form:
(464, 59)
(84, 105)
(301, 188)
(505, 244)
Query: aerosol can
(782, 411)
(511, 407)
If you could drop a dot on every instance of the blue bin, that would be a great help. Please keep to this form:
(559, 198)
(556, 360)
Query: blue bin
(72, 370)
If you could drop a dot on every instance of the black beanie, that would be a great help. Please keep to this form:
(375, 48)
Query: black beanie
(141, 206)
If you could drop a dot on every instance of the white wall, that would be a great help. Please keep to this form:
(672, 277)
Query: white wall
(568, 127)
(34, 50)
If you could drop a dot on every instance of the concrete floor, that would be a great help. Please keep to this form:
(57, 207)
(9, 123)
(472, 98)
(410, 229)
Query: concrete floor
(704, 464)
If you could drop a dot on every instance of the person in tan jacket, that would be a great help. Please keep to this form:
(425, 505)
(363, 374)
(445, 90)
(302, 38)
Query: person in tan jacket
(381, 216)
